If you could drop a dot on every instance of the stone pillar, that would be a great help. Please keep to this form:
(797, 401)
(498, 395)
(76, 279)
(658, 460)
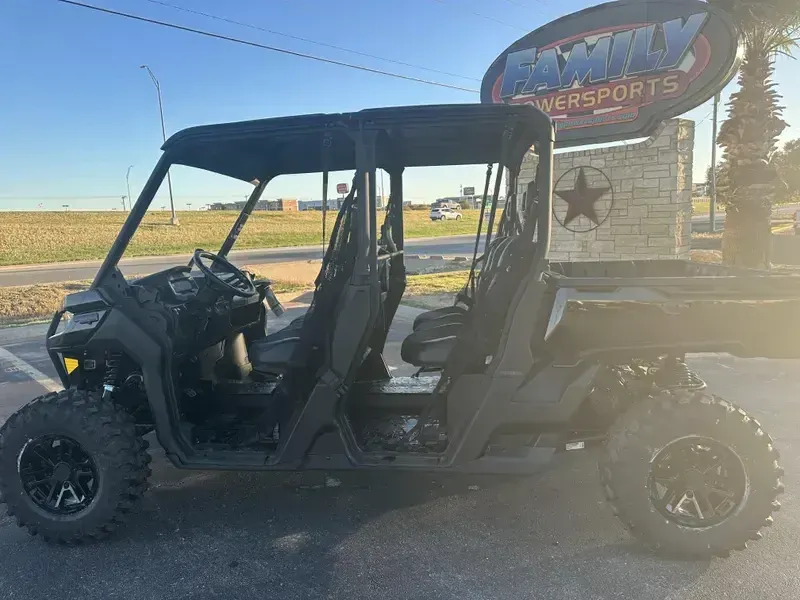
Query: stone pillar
(648, 215)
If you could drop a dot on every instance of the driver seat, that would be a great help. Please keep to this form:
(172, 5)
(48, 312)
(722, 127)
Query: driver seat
(272, 354)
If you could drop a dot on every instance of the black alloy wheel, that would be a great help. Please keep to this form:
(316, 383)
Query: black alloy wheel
(697, 482)
(691, 474)
(72, 466)
(58, 474)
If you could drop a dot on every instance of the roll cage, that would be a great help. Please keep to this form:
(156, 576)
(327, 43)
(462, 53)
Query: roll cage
(388, 138)
(342, 337)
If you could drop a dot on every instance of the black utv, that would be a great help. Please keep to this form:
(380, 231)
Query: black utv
(533, 357)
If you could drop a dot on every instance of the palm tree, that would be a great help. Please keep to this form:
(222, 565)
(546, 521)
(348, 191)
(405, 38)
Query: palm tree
(749, 136)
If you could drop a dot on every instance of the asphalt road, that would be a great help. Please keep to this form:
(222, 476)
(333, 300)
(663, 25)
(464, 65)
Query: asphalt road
(457, 245)
(702, 223)
(406, 536)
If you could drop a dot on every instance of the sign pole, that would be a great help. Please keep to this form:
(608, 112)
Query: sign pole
(712, 206)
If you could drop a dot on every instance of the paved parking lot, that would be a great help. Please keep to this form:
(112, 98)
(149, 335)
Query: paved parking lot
(317, 535)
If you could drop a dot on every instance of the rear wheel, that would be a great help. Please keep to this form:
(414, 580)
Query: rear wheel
(691, 475)
(71, 466)
(458, 217)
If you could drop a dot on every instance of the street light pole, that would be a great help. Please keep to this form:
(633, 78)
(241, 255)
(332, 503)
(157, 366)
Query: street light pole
(164, 137)
(712, 205)
(128, 185)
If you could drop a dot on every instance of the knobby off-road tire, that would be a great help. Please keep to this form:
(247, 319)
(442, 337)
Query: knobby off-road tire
(95, 429)
(651, 427)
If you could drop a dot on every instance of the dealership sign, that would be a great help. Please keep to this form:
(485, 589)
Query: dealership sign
(616, 70)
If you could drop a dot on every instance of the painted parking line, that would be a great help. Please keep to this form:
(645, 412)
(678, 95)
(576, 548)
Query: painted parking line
(12, 366)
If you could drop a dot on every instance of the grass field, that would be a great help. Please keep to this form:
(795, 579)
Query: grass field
(42, 237)
(701, 207)
(34, 303)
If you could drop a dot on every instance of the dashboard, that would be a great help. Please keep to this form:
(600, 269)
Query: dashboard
(202, 313)
(175, 285)
(183, 287)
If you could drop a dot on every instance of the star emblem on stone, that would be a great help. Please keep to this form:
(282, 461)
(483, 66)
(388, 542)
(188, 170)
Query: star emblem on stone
(581, 199)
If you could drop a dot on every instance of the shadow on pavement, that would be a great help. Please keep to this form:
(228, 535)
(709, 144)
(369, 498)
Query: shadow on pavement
(312, 535)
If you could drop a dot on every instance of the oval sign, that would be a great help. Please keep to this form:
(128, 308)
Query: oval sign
(616, 70)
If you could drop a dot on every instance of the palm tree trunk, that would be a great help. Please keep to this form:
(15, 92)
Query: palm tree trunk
(747, 238)
(749, 138)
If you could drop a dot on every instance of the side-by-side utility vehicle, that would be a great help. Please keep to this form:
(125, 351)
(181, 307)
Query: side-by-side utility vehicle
(533, 357)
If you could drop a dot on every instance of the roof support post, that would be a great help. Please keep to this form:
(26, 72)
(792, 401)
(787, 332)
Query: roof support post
(366, 259)
(135, 217)
(396, 208)
(327, 142)
(544, 184)
(504, 152)
(249, 206)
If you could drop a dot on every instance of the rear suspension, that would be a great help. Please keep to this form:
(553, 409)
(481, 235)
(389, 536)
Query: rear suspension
(673, 373)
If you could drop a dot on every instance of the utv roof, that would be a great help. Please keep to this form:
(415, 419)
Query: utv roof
(408, 136)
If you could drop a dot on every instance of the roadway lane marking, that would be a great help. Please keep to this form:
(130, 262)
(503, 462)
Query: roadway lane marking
(19, 365)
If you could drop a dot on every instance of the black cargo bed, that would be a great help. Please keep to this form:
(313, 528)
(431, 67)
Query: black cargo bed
(645, 279)
(647, 308)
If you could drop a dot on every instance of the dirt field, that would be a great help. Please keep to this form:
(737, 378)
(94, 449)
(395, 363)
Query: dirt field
(32, 303)
(42, 237)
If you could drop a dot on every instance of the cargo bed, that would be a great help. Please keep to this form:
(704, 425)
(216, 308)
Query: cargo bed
(626, 309)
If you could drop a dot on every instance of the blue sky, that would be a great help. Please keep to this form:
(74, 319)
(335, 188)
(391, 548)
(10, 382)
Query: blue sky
(76, 110)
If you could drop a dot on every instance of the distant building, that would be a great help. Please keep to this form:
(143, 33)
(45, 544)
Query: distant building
(281, 204)
(237, 206)
(333, 204)
(701, 189)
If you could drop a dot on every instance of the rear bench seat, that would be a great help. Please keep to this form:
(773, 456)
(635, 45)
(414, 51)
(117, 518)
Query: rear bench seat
(456, 314)
(431, 345)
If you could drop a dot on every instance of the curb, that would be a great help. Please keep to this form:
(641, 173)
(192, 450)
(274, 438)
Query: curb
(437, 257)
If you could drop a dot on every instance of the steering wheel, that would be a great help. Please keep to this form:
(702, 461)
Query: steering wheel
(222, 273)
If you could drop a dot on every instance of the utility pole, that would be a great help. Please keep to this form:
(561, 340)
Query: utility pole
(128, 185)
(712, 205)
(164, 136)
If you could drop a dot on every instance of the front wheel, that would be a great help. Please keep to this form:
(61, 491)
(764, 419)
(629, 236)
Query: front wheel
(458, 217)
(71, 466)
(691, 475)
